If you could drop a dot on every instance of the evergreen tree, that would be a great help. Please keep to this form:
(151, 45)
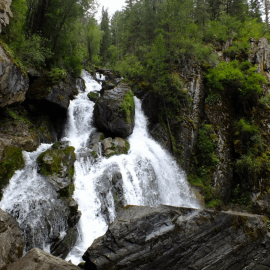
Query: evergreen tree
(106, 39)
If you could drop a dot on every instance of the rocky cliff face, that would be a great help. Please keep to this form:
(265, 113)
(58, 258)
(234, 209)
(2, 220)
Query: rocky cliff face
(5, 13)
(13, 81)
(180, 238)
(12, 242)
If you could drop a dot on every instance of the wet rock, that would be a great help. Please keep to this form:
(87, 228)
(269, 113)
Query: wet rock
(13, 81)
(80, 84)
(160, 135)
(52, 98)
(150, 104)
(58, 164)
(38, 259)
(115, 111)
(180, 238)
(5, 13)
(63, 246)
(11, 240)
(110, 183)
(117, 146)
(93, 96)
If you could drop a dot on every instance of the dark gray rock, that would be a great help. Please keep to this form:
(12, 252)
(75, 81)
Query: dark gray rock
(63, 246)
(80, 84)
(38, 259)
(181, 238)
(11, 240)
(262, 205)
(13, 81)
(52, 98)
(111, 116)
(159, 134)
(150, 103)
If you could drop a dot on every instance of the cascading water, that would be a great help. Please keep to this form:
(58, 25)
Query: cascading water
(149, 176)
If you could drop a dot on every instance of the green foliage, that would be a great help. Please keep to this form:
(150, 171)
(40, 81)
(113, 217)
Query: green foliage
(33, 52)
(206, 146)
(264, 101)
(249, 144)
(128, 106)
(212, 99)
(240, 78)
(56, 75)
(240, 197)
(12, 161)
(130, 67)
(204, 163)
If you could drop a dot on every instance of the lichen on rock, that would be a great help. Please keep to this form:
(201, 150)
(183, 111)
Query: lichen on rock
(58, 164)
(117, 146)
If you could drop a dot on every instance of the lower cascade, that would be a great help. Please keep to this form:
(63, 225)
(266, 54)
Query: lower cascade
(147, 175)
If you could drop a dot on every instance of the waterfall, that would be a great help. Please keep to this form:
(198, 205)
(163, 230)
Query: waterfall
(150, 176)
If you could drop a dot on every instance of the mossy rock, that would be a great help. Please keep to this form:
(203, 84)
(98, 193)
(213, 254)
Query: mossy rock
(58, 164)
(93, 96)
(12, 160)
(117, 146)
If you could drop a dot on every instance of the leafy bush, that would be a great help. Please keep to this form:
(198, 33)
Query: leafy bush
(130, 67)
(240, 78)
(206, 147)
(32, 51)
(56, 75)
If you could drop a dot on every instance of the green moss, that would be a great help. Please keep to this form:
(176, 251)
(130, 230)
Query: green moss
(102, 137)
(12, 161)
(127, 147)
(50, 168)
(67, 192)
(11, 56)
(93, 96)
(128, 106)
(94, 155)
(214, 203)
(14, 115)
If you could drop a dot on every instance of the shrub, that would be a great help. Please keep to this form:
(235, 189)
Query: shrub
(57, 75)
(32, 51)
(239, 78)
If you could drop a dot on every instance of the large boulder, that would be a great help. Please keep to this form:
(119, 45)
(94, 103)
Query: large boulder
(181, 238)
(115, 111)
(52, 97)
(13, 80)
(38, 259)
(58, 164)
(11, 240)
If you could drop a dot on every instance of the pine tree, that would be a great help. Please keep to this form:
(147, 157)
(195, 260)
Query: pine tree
(106, 39)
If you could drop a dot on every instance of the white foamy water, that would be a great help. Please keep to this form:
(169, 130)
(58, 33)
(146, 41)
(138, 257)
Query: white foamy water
(150, 177)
